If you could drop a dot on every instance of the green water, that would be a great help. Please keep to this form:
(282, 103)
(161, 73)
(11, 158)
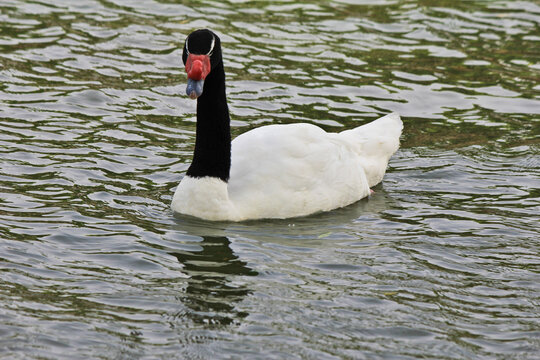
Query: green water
(96, 132)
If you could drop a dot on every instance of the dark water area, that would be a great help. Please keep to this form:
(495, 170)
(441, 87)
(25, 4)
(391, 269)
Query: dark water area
(442, 262)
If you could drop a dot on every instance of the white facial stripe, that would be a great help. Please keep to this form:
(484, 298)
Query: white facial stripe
(211, 46)
(209, 53)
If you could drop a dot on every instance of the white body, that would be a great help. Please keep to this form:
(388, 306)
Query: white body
(283, 171)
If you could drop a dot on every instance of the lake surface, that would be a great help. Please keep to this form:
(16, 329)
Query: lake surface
(442, 262)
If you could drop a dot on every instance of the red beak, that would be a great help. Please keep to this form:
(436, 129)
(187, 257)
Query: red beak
(197, 66)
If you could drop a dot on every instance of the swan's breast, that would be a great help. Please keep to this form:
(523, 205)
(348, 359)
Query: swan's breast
(205, 197)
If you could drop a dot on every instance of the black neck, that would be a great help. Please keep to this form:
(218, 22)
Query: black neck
(212, 155)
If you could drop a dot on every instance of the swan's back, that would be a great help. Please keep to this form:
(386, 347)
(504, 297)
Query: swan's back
(281, 171)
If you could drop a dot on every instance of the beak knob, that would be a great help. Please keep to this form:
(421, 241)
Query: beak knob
(197, 69)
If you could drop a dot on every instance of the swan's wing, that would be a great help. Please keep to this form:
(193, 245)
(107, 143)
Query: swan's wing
(293, 170)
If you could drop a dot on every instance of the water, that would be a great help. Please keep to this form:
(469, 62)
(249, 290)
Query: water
(96, 132)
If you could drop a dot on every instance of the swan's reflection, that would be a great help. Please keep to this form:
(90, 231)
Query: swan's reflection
(210, 294)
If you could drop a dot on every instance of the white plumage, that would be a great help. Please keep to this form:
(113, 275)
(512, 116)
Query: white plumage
(283, 171)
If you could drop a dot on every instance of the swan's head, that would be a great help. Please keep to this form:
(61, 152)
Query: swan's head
(201, 52)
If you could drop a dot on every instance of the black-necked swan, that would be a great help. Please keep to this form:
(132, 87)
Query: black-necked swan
(274, 171)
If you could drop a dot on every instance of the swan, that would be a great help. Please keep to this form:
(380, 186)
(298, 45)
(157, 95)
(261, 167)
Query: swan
(274, 171)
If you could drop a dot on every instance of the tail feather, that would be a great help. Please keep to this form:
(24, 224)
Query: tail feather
(375, 143)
